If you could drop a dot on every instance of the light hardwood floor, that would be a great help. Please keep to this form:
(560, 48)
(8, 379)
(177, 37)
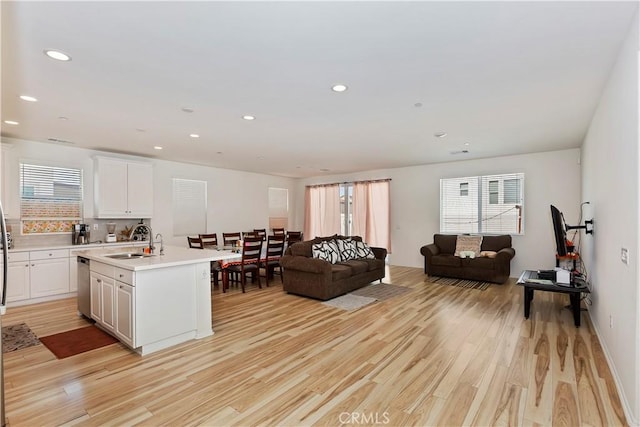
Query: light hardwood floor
(438, 355)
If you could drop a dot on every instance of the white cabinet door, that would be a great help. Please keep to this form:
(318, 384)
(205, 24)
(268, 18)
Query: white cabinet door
(125, 313)
(96, 296)
(49, 277)
(108, 306)
(111, 188)
(123, 189)
(18, 281)
(140, 189)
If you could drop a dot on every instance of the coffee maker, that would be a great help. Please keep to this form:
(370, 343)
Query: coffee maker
(80, 234)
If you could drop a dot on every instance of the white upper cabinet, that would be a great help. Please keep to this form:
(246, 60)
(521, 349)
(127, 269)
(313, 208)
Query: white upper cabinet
(123, 189)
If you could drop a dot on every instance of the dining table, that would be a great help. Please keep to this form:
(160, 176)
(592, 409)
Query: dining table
(233, 256)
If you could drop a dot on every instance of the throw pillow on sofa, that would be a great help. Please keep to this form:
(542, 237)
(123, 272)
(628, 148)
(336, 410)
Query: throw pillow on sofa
(347, 249)
(468, 243)
(327, 251)
(363, 250)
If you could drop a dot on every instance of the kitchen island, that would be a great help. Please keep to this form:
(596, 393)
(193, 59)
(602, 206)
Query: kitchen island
(152, 301)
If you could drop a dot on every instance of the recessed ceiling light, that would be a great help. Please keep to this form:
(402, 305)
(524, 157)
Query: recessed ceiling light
(466, 143)
(157, 147)
(56, 54)
(440, 134)
(28, 98)
(11, 122)
(339, 88)
(247, 117)
(194, 135)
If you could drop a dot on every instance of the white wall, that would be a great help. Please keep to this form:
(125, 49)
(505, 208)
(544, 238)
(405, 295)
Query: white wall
(550, 178)
(610, 183)
(237, 201)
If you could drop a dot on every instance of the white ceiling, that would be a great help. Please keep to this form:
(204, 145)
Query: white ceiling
(505, 77)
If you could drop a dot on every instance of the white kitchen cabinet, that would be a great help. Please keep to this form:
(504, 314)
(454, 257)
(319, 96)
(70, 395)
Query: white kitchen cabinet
(18, 287)
(108, 306)
(123, 189)
(96, 296)
(125, 304)
(49, 272)
(113, 296)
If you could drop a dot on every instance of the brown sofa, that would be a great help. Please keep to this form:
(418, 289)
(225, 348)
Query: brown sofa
(439, 259)
(312, 277)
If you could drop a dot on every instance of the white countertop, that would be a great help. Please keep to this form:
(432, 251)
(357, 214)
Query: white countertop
(82, 247)
(173, 255)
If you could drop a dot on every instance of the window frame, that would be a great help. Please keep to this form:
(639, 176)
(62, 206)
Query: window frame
(482, 209)
(47, 223)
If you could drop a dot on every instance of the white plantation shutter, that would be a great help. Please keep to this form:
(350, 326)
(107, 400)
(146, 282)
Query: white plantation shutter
(492, 204)
(189, 207)
(51, 195)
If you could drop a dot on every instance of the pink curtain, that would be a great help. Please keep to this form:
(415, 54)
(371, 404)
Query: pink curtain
(322, 211)
(371, 218)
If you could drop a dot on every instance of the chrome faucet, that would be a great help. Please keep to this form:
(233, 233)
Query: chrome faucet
(161, 243)
(148, 228)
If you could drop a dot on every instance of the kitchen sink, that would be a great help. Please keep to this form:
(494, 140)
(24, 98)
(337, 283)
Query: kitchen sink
(129, 255)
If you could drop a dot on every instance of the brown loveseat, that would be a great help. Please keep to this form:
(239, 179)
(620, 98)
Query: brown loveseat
(317, 278)
(439, 259)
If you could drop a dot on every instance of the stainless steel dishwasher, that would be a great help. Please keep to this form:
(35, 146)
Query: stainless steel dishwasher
(84, 287)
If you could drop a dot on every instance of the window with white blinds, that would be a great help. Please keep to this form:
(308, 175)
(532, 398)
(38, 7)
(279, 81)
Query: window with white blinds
(491, 204)
(278, 208)
(189, 207)
(50, 198)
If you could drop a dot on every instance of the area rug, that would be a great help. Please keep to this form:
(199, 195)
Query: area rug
(349, 302)
(77, 341)
(461, 283)
(17, 337)
(381, 291)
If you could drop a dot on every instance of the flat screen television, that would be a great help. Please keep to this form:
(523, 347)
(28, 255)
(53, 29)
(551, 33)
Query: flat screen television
(560, 231)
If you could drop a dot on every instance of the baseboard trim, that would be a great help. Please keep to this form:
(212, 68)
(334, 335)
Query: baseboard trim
(628, 413)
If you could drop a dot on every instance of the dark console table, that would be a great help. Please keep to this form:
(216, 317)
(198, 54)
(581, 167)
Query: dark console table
(530, 282)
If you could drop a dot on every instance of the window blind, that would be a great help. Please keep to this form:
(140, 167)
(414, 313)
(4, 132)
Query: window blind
(189, 207)
(49, 193)
(491, 204)
(278, 207)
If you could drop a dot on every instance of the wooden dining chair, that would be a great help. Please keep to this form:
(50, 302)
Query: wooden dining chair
(251, 252)
(249, 234)
(275, 248)
(278, 231)
(261, 232)
(293, 237)
(195, 242)
(210, 241)
(230, 239)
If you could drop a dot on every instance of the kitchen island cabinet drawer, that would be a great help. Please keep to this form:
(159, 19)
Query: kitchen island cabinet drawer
(122, 275)
(102, 268)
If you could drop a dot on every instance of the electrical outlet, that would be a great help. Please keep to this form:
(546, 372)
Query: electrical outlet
(95, 226)
(624, 255)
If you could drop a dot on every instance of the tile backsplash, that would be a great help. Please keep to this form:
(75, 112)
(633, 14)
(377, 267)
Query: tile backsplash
(58, 239)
